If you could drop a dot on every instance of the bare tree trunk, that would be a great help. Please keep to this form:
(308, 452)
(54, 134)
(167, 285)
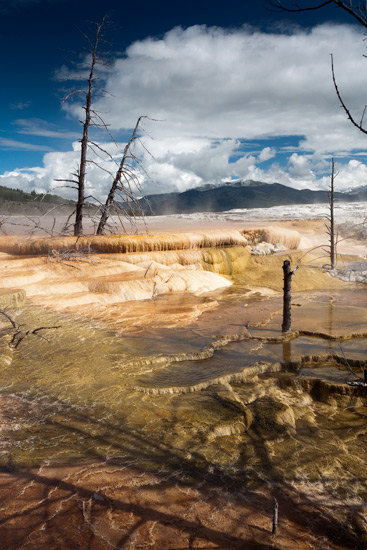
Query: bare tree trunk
(125, 181)
(287, 297)
(331, 227)
(275, 517)
(78, 226)
(117, 181)
(106, 208)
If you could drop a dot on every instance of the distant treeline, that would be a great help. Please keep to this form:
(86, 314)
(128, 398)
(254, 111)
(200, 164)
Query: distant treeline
(17, 195)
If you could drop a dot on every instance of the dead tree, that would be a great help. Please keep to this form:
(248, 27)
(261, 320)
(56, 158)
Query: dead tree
(355, 123)
(124, 177)
(356, 10)
(91, 118)
(287, 295)
(330, 226)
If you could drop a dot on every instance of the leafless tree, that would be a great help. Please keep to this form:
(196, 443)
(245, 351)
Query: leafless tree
(123, 180)
(91, 118)
(355, 123)
(125, 177)
(356, 10)
(330, 226)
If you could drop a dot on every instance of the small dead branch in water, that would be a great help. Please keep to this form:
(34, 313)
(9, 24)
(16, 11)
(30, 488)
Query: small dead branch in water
(21, 333)
(346, 362)
(14, 324)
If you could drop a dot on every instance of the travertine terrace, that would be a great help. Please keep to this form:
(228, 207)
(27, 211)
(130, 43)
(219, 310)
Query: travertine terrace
(167, 410)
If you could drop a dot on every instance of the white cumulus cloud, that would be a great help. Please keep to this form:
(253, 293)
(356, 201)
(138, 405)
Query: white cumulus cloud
(216, 91)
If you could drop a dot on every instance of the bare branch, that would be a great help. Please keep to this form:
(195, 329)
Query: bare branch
(14, 324)
(124, 172)
(280, 7)
(100, 149)
(362, 117)
(103, 125)
(67, 181)
(19, 334)
(90, 161)
(94, 59)
(356, 11)
(342, 102)
(74, 92)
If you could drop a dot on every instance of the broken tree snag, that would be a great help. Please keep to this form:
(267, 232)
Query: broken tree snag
(275, 517)
(286, 326)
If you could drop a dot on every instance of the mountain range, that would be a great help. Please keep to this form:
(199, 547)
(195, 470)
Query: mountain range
(207, 198)
(241, 194)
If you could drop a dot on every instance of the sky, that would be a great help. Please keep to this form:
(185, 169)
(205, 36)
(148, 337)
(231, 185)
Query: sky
(231, 90)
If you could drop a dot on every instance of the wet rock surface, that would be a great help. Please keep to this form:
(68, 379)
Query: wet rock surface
(161, 434)
(101, 505)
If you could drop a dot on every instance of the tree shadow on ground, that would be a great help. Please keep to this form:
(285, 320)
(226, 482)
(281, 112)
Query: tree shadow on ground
(148, 485)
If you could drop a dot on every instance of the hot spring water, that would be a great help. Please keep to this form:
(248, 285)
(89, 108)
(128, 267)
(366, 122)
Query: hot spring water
(170, 397)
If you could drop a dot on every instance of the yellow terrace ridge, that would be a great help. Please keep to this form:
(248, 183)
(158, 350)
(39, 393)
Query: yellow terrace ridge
(124, 243)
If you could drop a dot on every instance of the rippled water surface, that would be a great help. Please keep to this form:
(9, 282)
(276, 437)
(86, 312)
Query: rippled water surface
(86, 392)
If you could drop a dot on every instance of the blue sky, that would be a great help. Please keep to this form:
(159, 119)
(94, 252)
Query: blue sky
(240, 91)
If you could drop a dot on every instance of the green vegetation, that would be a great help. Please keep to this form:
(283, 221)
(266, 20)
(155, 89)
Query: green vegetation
(17, 195)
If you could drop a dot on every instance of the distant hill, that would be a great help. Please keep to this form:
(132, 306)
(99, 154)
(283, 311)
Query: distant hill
(17, 195)
(18, 202)
(207, 198)
(241, 194)
(358, 194)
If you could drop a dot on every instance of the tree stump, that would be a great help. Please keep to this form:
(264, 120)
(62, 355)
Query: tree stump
(287, 316)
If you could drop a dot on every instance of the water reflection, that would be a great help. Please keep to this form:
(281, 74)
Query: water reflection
(86, 389)
(331, 313)
(287, 350)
